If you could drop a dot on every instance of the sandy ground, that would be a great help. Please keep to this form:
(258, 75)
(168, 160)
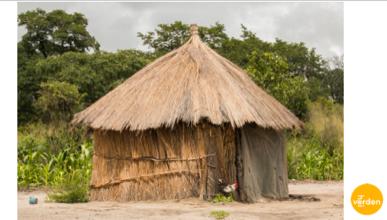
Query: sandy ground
(330, 206)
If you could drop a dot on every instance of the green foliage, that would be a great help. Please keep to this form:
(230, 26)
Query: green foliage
(58, 100)
(167, 37)
(239, 50)
(335, 80)
(93, 75)
(219, 215)
(317, 88)
(318, 153)
(27, 86)
(55, 32)
(325, 123)
(220, 198)
(72, 189)
(302, 61)
(53, 49)
(271, 72)
(307, 159)
(301, 74)
(56, 78)
(49, 154)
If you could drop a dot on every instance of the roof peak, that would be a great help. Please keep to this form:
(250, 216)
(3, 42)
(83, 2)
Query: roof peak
(187, 85)
(194, 29)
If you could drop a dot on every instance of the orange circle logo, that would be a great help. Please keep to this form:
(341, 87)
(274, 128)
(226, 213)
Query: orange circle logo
(367, 199)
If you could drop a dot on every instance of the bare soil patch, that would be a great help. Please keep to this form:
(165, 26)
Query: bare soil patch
(327, 205)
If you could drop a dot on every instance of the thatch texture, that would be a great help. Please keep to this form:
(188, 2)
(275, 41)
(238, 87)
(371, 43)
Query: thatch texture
(162, 163)
(188, 84)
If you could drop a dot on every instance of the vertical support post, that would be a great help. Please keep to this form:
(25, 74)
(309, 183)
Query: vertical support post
(239, 164)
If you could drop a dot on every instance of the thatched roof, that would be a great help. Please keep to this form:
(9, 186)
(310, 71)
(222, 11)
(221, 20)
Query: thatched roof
(188, 84)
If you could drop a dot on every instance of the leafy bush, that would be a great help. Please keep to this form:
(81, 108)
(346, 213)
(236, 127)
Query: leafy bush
(325, 122)
(49, 137)
(93, 75)
(47, 158)
(220, 198)
(219, 215)
(307, 159)
(73, 188)
(318, 153)
(271, 72)
(58, 100)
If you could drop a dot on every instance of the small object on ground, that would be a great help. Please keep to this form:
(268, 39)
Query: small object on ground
(310, 198)
(33, 200)
(231, 188)
(227, 188)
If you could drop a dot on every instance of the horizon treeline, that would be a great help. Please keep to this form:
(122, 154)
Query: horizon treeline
(61, 68)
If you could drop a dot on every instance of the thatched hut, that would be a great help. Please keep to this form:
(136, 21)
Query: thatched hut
(183, 122)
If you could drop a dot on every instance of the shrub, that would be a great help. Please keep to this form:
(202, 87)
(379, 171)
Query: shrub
(47, 158)
(220, 198)
(72, 189)
(271, 72)
(326, 123)
(58, 100)
(318, 152)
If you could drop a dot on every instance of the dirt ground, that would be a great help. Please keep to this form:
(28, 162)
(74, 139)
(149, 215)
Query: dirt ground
(329, 193)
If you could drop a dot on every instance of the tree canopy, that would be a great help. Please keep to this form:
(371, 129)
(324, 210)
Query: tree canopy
(55, 32)
(61, 68)
(167, 37)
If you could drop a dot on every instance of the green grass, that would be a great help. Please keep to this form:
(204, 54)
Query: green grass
(73, 189)
(220, 198)
(219, 214)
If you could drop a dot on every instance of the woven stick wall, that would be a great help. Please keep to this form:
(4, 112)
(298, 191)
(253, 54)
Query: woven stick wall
(162, 163)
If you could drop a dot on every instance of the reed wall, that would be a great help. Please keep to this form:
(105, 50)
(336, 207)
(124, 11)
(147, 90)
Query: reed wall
(163, 163)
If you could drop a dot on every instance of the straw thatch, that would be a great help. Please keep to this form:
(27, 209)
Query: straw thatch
(187, 84)
(162, 163)
(181, 123)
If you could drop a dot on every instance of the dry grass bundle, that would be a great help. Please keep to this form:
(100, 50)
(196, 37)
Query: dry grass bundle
(188, 84)
(161, 164)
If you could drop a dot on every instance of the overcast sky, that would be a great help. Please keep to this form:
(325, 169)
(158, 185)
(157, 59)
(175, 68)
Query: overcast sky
(115, 25)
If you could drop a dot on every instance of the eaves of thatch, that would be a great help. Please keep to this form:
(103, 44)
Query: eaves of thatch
(188, 84)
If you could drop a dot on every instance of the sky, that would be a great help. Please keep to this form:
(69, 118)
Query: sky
(115, 24)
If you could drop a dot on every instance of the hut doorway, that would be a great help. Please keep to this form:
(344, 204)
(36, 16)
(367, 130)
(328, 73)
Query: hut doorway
(261, 163)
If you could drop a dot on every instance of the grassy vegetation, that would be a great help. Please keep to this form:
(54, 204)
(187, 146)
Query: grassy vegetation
(55, 157)
(317, 153)
(58, 157)
(73, 189)
(220, 198)
(219, 214)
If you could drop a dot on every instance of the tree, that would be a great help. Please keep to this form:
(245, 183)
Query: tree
(58, 100)
(93, 74)
(28, 84)
(167, 37)
(238, 50)
(335, 79)
(302, 61)
(55, 32)
(271, 72)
